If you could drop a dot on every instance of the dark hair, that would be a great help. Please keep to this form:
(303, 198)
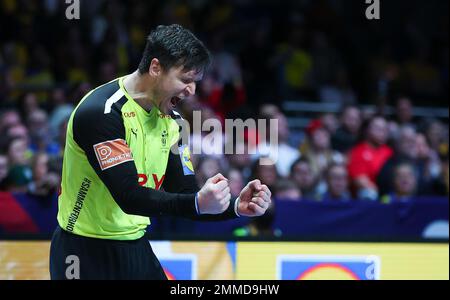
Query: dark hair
(255, 168)
(346, 107)
(401, 96)
(366, 125)
(174, 45)
(284, 185)
(331, 166)
(300, 160)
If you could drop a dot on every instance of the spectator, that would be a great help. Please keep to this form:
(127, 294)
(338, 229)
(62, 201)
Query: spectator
(405, 184)
(286, 189)
(40, 137)
(8, 119)
(405, 152)
(207, 165)
(207, 88)
(56, 161)
(430, 168)
(318, 149)
(404, 112)
(18, 131)
(284, 154)
(213, 144)
(368, 157)
(268, 110)
(266, 173)
(236, 182)
(18, 152)
(61, 111)
(436, 135)
(429, 147)
(19, 174)
(45, 183)
(347, 134)
(28, 104)
(330, 122)
(301, 174)
(3, 170)
(338, 188)
(240, 160)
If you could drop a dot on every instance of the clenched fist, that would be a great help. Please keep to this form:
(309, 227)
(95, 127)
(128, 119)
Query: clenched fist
(254, 199)
(214, 197)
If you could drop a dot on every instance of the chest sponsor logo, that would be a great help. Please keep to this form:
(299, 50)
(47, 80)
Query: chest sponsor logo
(112, 153)
(142, 180)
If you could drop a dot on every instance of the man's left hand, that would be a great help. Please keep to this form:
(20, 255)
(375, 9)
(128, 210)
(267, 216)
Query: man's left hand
(254, 199)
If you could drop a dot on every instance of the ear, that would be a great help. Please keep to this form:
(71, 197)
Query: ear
(155, 68)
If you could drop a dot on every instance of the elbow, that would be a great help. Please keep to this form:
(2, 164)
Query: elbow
(125, 206)
(123, 199)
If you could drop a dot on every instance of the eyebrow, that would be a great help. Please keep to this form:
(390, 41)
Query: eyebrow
(187, 78)
(194, 73)
(192, 78)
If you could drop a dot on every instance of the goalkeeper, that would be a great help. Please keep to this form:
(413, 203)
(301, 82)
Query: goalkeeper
(124, 162)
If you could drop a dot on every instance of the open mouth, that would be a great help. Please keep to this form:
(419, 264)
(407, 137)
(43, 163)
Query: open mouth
(174, 101)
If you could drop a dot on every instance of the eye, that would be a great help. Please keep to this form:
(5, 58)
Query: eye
(186, 80)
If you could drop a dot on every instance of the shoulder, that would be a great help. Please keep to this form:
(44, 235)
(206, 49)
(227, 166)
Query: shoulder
(103, 103)
(99, 113)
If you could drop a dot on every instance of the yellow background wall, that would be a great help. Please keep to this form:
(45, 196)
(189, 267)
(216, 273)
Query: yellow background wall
(255, 260)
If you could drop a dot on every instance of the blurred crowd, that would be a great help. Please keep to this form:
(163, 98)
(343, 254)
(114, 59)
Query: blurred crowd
(351, 157)
(264, 52)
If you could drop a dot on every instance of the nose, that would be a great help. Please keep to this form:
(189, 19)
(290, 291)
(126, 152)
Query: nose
(190, 89)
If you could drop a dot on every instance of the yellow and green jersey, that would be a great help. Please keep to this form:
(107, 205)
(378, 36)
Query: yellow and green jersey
(122, 165)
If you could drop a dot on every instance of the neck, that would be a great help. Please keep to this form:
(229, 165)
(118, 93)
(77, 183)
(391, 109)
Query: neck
(138, 87)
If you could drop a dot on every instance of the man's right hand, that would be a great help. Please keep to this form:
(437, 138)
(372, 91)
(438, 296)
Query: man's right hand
(214, 197)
